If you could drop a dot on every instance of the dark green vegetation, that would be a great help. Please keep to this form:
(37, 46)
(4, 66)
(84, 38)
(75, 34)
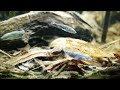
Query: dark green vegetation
(8, 14)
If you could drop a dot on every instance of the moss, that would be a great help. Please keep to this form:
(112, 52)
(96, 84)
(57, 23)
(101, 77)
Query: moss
(12, 75)
(98, 76)
(103, 76)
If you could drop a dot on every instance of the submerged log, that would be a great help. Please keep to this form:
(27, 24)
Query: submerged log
(18, 21)
(47, 24)
(51, 17)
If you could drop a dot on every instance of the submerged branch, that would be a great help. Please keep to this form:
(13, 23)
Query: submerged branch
(1, 51)
(105, 27)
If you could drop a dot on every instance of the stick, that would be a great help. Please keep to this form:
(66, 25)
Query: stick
(103, 46)
(105, 27)
(60, 70)
(40, 63)
(5, 53)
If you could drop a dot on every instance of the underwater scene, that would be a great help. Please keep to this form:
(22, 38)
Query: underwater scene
(59, 44)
